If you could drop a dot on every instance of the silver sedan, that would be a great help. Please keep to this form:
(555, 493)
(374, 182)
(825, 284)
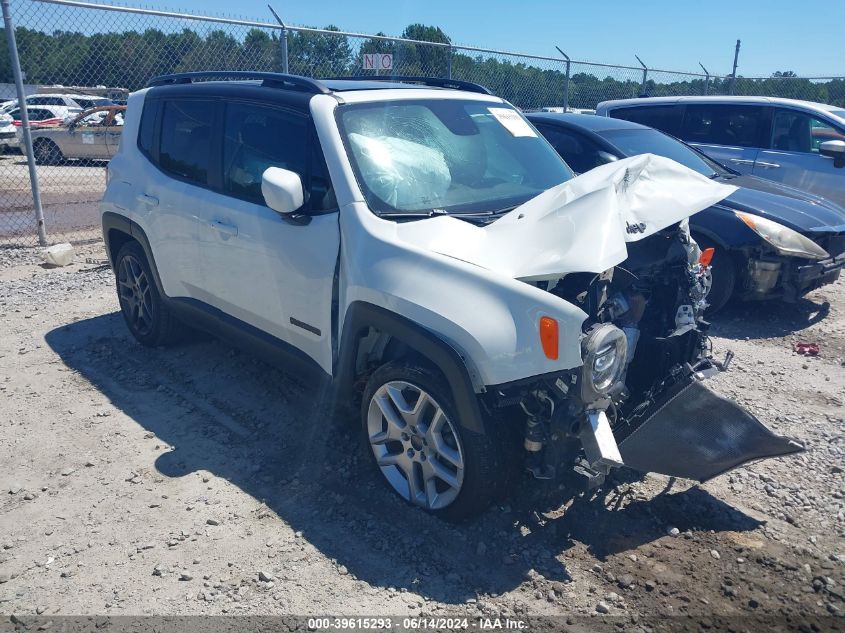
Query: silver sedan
(92, 135)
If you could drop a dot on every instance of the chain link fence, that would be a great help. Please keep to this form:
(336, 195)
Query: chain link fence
(99, 50)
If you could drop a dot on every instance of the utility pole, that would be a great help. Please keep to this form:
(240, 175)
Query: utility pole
(736, 63)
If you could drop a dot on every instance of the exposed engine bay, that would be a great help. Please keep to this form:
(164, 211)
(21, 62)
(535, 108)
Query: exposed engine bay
(657, 298)
(638, 396)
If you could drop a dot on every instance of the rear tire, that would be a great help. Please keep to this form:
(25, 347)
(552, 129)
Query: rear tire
(723, 275)
(147, 316)
(413, 434)
(47, 152)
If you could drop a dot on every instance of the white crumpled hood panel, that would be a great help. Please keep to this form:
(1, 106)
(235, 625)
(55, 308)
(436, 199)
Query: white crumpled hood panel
(579, 226)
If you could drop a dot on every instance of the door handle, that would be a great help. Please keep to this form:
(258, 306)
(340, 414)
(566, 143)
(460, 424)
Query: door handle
(742, 161)
(766, 165)
(229, 230)
(148, 200)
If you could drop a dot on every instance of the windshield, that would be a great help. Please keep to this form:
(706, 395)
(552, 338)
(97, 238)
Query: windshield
(446, 156)
(633, 142)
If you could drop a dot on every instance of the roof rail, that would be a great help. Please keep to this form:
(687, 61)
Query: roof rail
(437, 82)
(272, 80)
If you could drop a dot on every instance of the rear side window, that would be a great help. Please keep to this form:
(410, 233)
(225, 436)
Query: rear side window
(148, 126)
(726, 124)
(45, 101)
(185, 146)
(256, 138)
(666, 118)
(91, 103)
(580, 153)
(35, 114)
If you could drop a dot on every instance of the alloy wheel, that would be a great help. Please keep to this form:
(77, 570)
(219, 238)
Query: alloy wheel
(415, 445)
(135, 294)
(44, 153)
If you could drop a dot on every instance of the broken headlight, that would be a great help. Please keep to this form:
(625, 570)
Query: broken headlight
(604, 351)
(784, 239)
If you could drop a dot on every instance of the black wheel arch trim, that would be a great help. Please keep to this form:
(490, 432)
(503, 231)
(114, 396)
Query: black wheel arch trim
(360, 316)
(120, 223)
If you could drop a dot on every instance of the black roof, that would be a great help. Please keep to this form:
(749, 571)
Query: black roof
(590, 122)
(317, 86)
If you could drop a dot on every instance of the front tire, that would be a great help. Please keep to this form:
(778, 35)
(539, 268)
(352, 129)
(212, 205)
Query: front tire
(424, 454)
(147, 316)
(47, 152)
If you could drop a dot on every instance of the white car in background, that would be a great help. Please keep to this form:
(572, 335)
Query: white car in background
(8, 137)
(75, 103)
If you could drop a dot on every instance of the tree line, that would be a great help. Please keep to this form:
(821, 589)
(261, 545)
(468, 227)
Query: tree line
(129, 59)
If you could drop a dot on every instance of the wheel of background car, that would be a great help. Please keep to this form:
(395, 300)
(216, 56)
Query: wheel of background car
(47, 152)
(723, 275)
(411, 428)
(148, 318)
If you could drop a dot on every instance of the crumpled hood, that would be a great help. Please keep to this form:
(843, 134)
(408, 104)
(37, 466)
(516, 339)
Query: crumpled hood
(582, 225)
(792, 207)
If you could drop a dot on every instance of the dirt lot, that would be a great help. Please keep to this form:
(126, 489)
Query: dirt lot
(196, 480)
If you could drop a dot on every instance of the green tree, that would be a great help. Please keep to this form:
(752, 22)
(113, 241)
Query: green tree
(129, 59)
(319, 54)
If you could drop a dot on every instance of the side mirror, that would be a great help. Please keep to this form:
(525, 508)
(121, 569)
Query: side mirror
(282, 190)
(606, 157)
(833, 149)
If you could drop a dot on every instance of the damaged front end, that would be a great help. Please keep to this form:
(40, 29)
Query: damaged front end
(639, 399)
(615, 243)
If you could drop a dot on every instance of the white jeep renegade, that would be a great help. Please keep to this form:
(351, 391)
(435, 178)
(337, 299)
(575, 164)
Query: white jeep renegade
(420, 248)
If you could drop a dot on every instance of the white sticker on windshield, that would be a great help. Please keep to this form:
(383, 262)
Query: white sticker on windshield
(514, 123)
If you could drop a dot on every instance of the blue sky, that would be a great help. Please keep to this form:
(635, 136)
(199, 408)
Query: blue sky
(776, 35)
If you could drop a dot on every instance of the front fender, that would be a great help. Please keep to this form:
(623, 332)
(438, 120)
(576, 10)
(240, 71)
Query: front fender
(492, 318)
(720, 225)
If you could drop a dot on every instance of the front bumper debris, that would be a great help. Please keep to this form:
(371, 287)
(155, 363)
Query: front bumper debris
(789, 277)
(600, 447)
(693, 433)
(815, 275)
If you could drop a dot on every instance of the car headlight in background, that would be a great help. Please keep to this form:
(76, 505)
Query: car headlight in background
(604, 352)
(784, 239)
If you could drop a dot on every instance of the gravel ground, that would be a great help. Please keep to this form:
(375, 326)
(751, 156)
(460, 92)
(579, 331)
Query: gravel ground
(195, 480)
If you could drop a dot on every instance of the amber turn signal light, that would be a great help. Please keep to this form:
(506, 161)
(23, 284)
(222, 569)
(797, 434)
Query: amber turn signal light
(549, 336)
(707, 256)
